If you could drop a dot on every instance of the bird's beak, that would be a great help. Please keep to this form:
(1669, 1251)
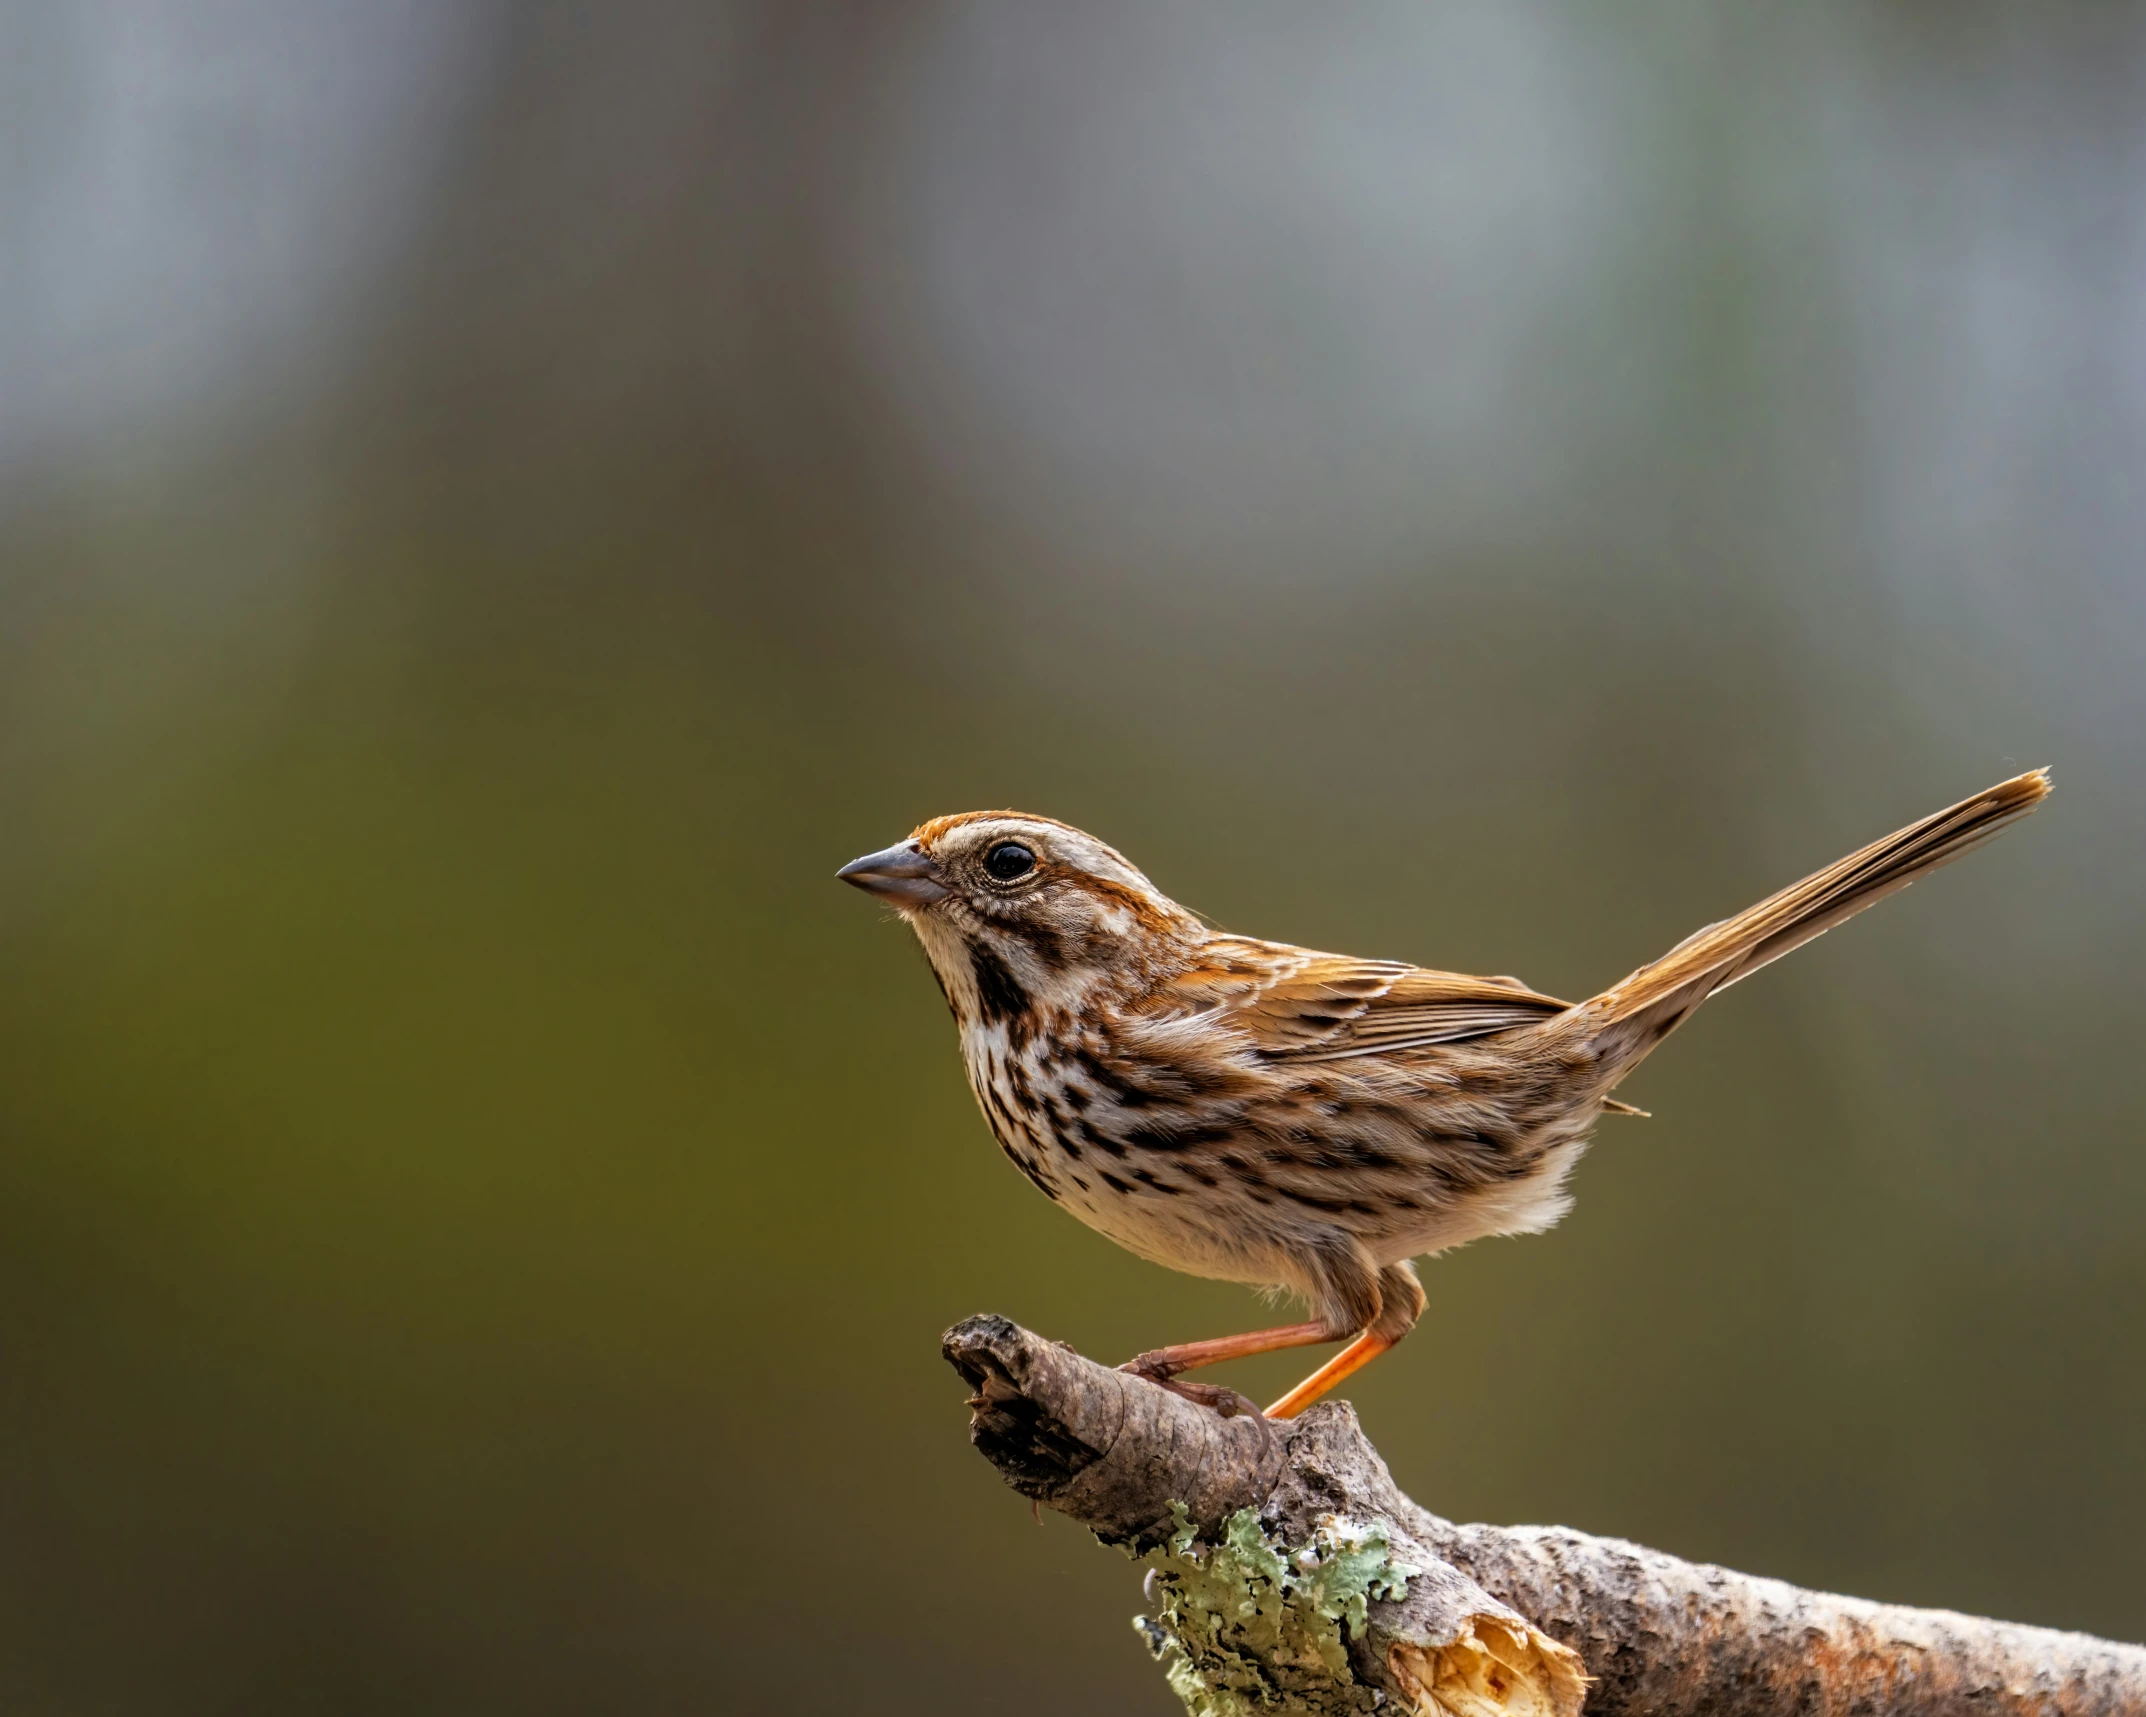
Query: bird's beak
(903, 874)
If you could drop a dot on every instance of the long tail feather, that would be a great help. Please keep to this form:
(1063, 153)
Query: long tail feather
(1629, 1019)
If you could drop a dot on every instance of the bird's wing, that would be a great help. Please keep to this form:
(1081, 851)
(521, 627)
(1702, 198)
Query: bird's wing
(1298, 1005)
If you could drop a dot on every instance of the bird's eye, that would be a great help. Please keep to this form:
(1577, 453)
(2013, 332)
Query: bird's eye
(1008, 860)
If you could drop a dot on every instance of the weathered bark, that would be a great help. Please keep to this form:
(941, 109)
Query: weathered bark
(1291, 1574)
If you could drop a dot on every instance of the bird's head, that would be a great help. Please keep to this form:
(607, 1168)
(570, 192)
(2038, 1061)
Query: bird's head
(1015, 910)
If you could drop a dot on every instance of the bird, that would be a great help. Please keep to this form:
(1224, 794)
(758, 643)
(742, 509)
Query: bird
(1256, 1112)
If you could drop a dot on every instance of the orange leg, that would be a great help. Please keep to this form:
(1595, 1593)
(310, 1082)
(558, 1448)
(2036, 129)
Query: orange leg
(1164, 1363)
(1358, 1354)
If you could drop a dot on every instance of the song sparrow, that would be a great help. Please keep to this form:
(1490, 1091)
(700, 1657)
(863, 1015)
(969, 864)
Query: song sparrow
(1261, 1113)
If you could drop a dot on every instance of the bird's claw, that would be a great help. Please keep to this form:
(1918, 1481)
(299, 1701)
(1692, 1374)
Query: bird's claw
(1216, 1397)
(1154, 1365)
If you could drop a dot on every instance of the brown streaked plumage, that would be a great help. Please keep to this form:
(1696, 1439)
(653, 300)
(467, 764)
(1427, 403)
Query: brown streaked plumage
(1262, 1113)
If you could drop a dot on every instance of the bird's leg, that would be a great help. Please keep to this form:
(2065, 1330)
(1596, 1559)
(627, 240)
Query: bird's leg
(1350, 1292)
(1358, 1354)
(1400, 1304)
(1162, 1365)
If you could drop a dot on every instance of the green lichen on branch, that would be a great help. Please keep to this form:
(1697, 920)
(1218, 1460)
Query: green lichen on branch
(1246, 1625)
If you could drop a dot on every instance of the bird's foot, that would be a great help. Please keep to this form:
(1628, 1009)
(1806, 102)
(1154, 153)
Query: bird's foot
(1218, 1396)
(1158, 1369)
(1157, 1365)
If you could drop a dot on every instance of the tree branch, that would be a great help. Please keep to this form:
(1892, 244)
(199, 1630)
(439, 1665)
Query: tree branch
(1287, 1573)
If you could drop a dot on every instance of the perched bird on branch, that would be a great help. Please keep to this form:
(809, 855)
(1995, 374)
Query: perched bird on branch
(1256, 1112)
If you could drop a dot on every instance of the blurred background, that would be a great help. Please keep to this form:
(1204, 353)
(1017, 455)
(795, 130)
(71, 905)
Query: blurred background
(497, 501)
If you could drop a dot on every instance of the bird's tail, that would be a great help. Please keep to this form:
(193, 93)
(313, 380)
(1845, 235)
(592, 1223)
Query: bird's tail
(1626, 1021)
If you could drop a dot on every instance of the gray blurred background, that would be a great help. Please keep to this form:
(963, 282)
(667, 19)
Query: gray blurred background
(498, 501)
